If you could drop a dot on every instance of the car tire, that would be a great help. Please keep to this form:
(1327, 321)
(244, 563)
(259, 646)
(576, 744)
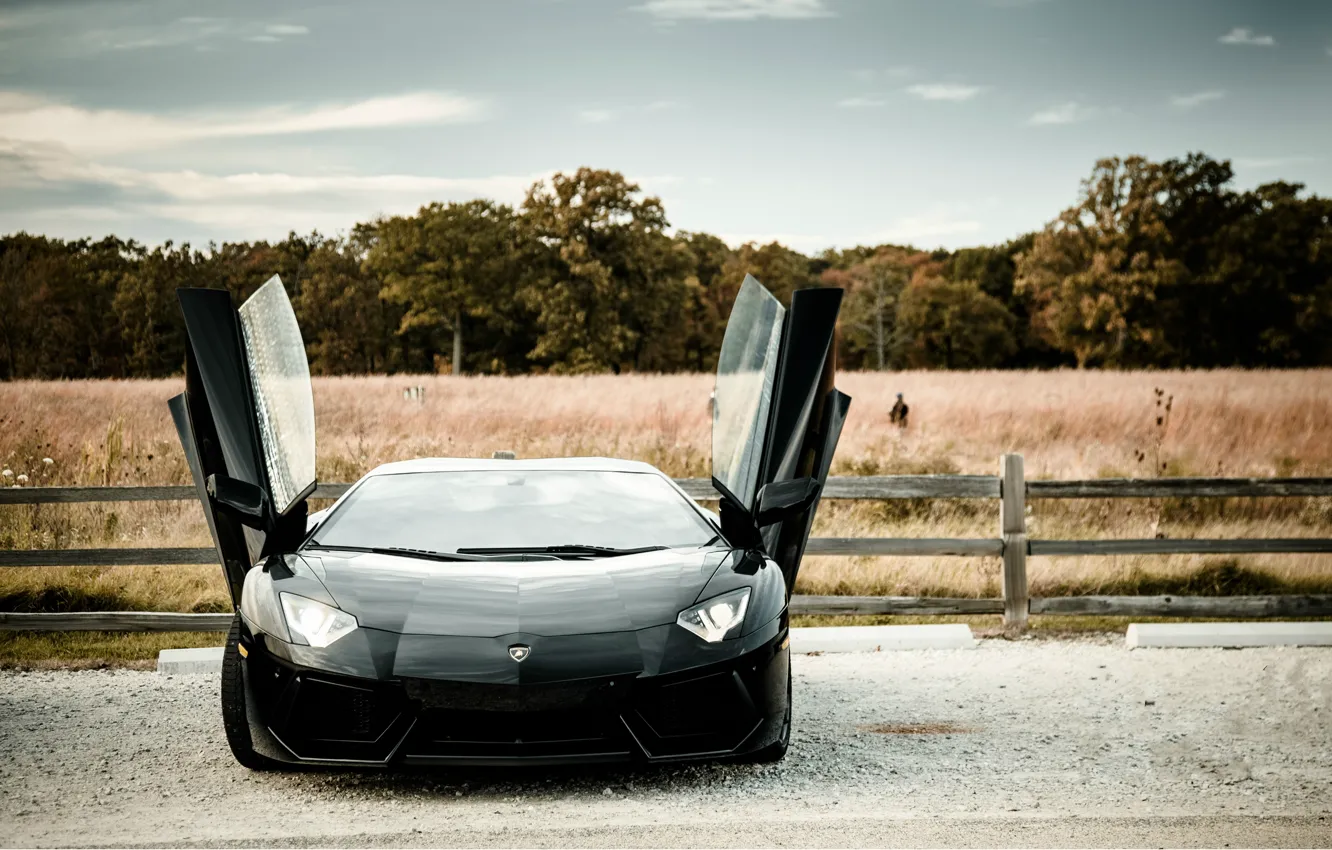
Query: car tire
(775, 751)
(234, 720)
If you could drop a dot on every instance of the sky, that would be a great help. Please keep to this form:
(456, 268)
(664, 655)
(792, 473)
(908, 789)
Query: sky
(817, 123)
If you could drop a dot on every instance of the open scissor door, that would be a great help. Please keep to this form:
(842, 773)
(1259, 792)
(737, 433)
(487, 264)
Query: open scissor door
(776, 418)
(246, 422)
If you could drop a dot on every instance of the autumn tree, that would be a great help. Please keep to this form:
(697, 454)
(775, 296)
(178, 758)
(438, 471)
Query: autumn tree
(706, 304)
(1093, 274)
(869, 311)
(779, 268)
(1157, 264)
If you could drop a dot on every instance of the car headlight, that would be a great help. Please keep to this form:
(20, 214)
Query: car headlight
(317, 623)
(718, 618)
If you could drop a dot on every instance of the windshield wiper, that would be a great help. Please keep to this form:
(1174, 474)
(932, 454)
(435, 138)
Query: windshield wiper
(400, 550)
(563, 549)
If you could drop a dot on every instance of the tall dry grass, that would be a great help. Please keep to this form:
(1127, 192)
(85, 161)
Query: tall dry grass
(1068, 424)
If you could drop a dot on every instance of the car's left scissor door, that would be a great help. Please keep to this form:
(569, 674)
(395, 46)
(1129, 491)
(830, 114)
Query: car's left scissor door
(246, 421)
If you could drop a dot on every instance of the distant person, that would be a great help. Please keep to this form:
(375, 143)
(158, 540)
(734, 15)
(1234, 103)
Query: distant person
(898, 415)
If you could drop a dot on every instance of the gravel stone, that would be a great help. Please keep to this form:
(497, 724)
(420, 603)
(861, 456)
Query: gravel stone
(1161, 747)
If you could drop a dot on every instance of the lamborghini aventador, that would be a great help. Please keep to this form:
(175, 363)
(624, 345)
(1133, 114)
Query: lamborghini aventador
(460, 611)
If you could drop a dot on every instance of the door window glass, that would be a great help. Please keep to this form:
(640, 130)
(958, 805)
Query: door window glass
(280, 377)
(746, 370)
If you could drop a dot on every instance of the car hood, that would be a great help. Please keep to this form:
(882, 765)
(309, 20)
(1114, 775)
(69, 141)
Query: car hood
(491, 598)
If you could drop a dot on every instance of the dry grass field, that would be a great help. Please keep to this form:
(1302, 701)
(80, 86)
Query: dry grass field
(1068, 424)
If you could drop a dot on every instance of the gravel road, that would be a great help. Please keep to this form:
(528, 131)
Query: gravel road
(1041, 743)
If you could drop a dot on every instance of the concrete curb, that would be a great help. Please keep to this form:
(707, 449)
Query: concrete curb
(208, 659)
(1234, 635)
(881, 638)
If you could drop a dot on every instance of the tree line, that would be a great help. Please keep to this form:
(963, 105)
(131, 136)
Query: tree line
(1157, 265)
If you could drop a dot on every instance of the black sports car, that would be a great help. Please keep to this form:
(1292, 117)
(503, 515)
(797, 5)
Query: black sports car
(507, 611)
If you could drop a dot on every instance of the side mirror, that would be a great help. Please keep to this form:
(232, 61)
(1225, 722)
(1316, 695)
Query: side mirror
(783, 500)
(241, 498)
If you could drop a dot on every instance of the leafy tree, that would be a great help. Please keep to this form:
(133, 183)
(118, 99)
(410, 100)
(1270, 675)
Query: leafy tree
(1158, 264)
(943, 324)
(610, 285)
(1267, 299)
(448, 263)
(56, 306)
(1094, 272)
(869, 311)
(146, 308)
(777, 267)
(705, 303)
(347, 327)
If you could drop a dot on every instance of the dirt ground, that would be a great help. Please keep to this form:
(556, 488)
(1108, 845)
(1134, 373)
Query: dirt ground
(1041, 743)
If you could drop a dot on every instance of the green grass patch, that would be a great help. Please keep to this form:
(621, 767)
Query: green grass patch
(94, 650)
(1218, 577)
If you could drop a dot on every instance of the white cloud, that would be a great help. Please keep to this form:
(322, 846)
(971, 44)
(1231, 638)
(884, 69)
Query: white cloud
(250, 205)
(200, 32)
(861, 102)
(274, 33)
(25, 118)
(1244, 35)
(1065, 113)
(734, 10)
(596, 116)
(1188, 101)
(945, 91)
(244, 205)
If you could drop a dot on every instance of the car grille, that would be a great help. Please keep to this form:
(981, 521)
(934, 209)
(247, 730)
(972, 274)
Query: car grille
(330, 719)
(464, 696)
(704, 714)
(463, 721)
(323, 716)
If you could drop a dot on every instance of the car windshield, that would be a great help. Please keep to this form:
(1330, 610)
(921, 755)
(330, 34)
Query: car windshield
(532, 510)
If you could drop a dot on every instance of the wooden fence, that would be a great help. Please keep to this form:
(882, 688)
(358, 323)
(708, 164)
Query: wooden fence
(1010, 488)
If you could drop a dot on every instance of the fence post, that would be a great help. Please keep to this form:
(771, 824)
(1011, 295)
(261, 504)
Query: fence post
(1013, 530)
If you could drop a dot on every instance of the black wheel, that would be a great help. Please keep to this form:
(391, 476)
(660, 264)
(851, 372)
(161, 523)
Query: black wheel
(233, 704)
(776, 751)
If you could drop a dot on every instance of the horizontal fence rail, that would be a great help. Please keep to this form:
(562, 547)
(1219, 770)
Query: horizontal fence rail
(1011, 544)
(1165, 488)
(1166, 546)
(838, 487)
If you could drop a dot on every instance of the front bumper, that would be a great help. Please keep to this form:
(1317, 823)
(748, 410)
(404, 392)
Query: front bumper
(301, 714)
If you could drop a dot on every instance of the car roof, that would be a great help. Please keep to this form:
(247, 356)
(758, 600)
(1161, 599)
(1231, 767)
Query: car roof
(469, 464)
